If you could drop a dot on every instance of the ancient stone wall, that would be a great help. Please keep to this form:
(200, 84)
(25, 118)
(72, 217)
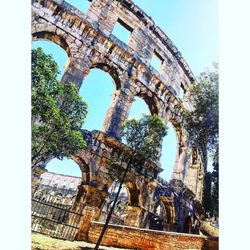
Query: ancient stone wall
(88, 41)
(120, 236)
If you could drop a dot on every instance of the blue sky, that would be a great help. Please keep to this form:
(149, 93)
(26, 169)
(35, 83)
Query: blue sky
(192, 26)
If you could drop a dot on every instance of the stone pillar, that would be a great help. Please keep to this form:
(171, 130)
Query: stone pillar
(89, 198)
(179, 167)
(148, 196)
(89, 214)
(199, 192)
(117, 113)
(191, 178)
(134, 216)
(195, 174)
(75, 73)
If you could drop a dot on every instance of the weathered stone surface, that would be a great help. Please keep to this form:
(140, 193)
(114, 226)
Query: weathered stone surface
(121, 236)
(88, 42)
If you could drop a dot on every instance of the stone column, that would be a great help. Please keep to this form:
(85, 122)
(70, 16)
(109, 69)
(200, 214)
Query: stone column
(134, 216)
(191, 177)
(199, 192)
(195, 174)
(88, 201)
(75, 73)
(89, 214)
(117, 113)
(179, 167)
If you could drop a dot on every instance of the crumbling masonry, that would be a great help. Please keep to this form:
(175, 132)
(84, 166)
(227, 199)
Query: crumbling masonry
(88, 42)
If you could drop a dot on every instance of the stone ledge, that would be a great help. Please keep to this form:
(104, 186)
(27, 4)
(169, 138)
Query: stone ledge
(131, 237)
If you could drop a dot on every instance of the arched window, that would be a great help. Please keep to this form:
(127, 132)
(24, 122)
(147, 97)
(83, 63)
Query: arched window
(64, 167)
(97, 90)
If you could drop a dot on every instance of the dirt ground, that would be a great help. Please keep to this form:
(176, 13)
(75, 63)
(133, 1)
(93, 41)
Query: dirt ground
(42, 242)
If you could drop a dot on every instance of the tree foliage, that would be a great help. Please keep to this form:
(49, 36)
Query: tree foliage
(58, 112)
(145, 136)
(211, 188)
(202, 120)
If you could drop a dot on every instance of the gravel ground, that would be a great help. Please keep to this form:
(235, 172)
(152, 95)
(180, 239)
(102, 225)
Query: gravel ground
(42, 242)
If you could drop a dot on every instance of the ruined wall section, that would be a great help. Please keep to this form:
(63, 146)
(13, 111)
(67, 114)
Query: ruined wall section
(88, 48)
(120, 236)
(145, 38)
(87, 40)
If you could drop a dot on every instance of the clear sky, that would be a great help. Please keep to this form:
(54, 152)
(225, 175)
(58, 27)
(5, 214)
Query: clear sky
(192, 26)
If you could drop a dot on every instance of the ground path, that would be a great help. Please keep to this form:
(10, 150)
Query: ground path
(42, 242)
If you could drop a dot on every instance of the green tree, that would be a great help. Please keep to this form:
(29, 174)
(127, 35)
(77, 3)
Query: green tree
(144, 137)
(207, 198)
(201, 121)
(58, 112)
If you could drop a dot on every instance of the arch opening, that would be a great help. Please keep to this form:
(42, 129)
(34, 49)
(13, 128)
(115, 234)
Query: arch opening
(156, 220)
(138, 108)
(51, 37)
(151, 103)
(163, 217)
(168, 153)
(119, 214)
(111, 71)
(99, 85)
(57, 52)
(59, 182)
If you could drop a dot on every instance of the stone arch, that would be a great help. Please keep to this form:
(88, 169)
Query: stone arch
(112, 71)
(157, 219)
(170, 209)
(76, 69)
(150, 101)
(149, 97)
(119, 213)
(84, 168)
(52, 37)
(179, 170)
(134, 194)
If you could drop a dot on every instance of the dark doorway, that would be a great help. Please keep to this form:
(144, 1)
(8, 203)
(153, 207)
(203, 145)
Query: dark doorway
(187, 225)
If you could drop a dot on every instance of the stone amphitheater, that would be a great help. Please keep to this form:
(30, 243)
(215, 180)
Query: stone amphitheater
(89, 43)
